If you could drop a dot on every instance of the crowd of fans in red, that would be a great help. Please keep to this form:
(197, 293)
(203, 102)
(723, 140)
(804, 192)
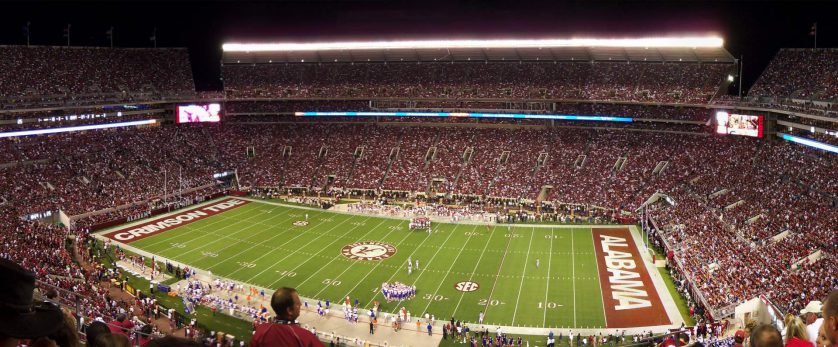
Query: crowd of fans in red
(46, 75)
(800, 73)
(661, 82)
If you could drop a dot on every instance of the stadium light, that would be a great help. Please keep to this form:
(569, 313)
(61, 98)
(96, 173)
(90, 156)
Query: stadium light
(810, 143)
(730, 78)
(76, 128)
(657, 42)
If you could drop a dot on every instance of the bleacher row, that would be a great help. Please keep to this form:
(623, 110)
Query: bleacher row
(38, 76)
(661, 82)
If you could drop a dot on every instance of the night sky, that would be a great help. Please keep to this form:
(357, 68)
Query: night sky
(753, 29)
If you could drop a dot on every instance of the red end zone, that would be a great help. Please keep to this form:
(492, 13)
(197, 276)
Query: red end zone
(159, 225)
(628, 294)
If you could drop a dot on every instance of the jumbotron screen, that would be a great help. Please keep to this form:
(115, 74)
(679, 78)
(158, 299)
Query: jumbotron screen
(199, 113)
(739, 124)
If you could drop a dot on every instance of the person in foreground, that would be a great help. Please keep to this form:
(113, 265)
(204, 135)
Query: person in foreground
(830, 318)
(284, 330)
(21, 317)
(766, 335)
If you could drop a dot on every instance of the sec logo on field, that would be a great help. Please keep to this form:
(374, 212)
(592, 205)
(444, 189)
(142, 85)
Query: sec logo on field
(466, 286)
(368, 250)
(300, 223)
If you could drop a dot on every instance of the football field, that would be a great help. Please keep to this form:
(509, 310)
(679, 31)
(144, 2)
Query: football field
(533, 276)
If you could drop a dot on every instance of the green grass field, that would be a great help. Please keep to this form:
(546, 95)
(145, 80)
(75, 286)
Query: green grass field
(258, 244)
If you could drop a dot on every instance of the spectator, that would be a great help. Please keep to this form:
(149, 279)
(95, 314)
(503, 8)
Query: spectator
(94, 330)
(121, 325)
(113, 340)
(796, 335)
(811, 314)
(284, 331)
(830, 317)
(172, 341)
(822, 340)
(21, 317)
(766, 335)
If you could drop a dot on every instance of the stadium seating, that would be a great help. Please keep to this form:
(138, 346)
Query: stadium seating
(662, 82)
(84, 75)
(800, 74)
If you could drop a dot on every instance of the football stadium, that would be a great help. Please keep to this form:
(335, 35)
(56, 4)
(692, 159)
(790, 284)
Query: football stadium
(367, 175)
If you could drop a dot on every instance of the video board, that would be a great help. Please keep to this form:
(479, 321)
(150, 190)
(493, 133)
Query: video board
(199, 113)
(739, 124)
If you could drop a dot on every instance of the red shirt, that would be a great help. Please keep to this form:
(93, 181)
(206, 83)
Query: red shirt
(281, 335)
(795, 342)
(121, 327)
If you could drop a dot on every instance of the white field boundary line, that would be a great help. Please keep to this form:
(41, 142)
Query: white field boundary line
(547, 291)
(667, 300)
(222, 218)
(241, 231)
(278, 234)
(463, 294)
(380, 262)
(497, 276)
(524, 275)
(596, 256)
(465, 222)
(101, 234)
(144, 220)
(190, 227)
(427, 266)
(292, 253)
(324, 266)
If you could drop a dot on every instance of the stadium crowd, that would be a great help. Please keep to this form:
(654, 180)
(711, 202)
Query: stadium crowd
(76, 75)
(800, 73)
(661, 82)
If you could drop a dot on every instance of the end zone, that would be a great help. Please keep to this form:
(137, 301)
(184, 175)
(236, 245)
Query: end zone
(628, 294)
(159, 225)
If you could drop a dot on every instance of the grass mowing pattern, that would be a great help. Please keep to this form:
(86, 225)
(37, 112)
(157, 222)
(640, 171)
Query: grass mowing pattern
(258, 244)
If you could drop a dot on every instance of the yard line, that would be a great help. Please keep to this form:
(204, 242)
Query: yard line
(521, 287)
(224, 218)
(546, 292)
(205, 234)
(422, 272)
(502, 260)
(604, 315)
(281, 233)
(380, 262)
(462, 295)
(204, 246)
(300, 284)
(289, 254)
(573, 275)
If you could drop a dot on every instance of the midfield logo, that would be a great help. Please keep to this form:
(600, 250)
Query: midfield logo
(368, 250)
